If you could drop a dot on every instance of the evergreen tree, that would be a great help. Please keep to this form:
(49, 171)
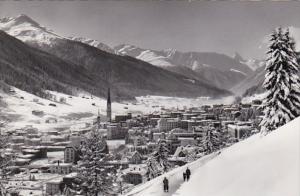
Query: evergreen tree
(212, 140)
(158, 161)
(93, 177)
(282, 101)
(191, 156)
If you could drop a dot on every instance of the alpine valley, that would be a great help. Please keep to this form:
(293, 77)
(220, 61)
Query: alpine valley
(50, 61)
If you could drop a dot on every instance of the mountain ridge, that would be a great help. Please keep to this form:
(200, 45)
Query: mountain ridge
(219, 69)
(125, 75)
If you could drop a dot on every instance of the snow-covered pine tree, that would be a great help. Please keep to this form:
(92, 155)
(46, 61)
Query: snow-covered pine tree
(282, 101)
(191, 156)
(93, 178)
(212, 140)
(161, 155)
(153, 169)
(158, 161)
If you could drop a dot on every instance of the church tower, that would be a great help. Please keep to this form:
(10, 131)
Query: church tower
(98, 119)
(108, 109)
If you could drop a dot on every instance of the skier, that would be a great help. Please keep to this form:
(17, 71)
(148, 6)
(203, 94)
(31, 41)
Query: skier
(166, 184)
(184, 176)
(188, 173)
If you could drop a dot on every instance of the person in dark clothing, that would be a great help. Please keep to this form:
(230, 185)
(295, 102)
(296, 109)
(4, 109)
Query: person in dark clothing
(188, 173)
(166, 184)
(184, 176)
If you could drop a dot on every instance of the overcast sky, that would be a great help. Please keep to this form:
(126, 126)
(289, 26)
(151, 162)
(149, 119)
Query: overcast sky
(223, 27)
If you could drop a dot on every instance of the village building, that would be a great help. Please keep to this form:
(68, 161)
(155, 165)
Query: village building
(53, 187)
(61, 168)
(115, 131)
(71, 155)
(167, 124)
(135, 174)
(240, 130)
(135, 157)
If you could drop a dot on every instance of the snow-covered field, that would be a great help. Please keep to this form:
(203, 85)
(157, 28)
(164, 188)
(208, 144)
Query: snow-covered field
(257, 166)
(82, 109)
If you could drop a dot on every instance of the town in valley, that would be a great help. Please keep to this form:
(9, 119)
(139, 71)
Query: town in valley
(45, 163)
(149, 98)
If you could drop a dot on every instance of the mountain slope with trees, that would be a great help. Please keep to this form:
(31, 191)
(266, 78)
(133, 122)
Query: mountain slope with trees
(126, 76)
(219, 69)
(34, 70)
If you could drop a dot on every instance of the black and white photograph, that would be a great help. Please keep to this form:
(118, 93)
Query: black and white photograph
(149, 98)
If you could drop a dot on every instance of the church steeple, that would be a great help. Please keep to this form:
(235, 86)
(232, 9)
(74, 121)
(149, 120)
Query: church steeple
(98, 119)
(108, 109)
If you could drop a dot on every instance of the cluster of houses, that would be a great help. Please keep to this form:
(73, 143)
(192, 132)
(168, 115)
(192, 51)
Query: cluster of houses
(182, 130)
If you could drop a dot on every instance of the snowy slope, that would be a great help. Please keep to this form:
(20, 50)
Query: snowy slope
(237, 71)
(257, 166)
(94, 43)
(151, 56)
(154, 59)
(27, 30)
(154, 187)
(80, 109)
(95, 64)
(254, 64)
(260, 166)
(251, 63)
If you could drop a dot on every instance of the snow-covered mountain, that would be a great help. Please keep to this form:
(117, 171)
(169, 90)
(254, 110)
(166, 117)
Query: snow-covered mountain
(212, 68)
(260, 165)
(154, 57)
(96, 69)
(253, 83)
(251, 63)
(28, 30)
(254, 64)
(220, 70)
(94, 43)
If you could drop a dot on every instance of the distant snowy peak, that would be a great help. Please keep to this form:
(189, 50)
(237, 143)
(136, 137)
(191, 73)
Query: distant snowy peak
(153, 57)
(251, 63)
(170, 52)
(125, 49)
(218, 69)
(94, 43)
(27, 30)
(254, 64)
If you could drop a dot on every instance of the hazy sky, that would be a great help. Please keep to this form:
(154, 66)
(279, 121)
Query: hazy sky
(223, 27)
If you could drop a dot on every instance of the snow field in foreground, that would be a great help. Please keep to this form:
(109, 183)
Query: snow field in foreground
(258, 166)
